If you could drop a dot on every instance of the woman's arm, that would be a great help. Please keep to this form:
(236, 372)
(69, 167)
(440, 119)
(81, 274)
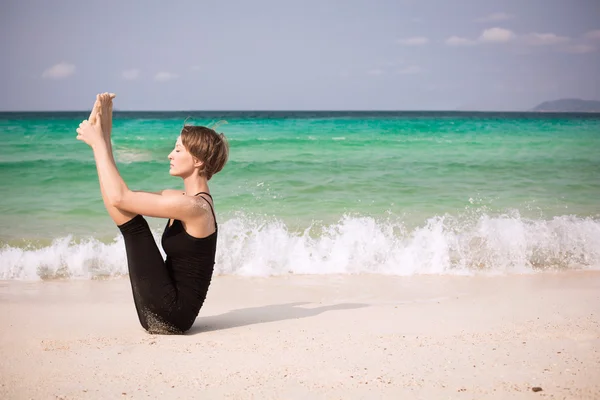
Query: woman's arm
(167, 204)
(164, 205)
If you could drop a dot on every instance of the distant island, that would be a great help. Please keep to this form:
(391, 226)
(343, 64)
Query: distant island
(569, 105)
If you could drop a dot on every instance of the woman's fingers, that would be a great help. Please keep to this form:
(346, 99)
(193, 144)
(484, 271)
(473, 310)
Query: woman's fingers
(83, 124)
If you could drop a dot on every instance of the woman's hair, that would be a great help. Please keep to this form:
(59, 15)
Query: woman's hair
(208, 146)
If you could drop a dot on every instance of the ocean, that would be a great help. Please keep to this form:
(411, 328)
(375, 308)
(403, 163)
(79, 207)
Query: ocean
(398, 193)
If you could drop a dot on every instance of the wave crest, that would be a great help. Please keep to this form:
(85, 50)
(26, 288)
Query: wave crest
(355, 244)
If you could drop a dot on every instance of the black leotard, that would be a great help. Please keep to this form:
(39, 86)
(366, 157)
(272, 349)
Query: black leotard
(168, 294)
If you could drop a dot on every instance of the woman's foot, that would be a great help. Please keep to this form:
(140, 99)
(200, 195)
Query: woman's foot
(95, 109)
(105, 109)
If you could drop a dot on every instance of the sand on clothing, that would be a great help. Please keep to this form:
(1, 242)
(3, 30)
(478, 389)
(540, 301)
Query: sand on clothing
(317, 337)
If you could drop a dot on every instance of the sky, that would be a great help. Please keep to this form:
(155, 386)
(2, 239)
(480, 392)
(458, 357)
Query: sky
(298, 55)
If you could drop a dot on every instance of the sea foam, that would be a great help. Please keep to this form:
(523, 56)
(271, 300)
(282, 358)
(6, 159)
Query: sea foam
(251, 246)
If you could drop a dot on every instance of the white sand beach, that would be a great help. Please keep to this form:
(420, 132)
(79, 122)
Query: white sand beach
(310, 337)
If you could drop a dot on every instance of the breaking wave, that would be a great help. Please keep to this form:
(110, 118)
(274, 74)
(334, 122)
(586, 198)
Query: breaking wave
(251, 246)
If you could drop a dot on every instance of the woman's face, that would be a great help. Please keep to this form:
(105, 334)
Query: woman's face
(182, 162)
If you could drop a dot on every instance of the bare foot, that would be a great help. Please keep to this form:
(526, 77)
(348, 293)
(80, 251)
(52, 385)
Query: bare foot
(105, 110)
(94, 112)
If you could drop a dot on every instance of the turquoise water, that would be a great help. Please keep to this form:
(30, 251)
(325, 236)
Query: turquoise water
(320, 192)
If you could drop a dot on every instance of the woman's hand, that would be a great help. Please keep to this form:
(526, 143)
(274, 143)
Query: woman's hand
(91, 134)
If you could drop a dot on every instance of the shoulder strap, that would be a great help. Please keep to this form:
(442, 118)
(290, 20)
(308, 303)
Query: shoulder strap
(208, 194)
(211, 207)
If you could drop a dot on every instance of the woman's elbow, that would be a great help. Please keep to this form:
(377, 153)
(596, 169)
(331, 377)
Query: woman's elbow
(116, 200)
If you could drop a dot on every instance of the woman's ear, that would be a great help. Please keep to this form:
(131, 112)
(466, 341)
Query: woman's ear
(199, 165)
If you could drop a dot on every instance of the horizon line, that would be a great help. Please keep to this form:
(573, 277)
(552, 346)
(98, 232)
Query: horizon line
(285, 110)
(117, 110)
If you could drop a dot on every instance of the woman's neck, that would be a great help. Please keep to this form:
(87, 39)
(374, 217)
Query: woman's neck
(195, 184)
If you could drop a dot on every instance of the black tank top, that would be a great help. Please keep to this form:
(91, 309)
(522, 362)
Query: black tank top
(190, 260)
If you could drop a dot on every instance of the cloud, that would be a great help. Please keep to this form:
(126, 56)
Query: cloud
(459, 41)
(195, 68)
(495, 17)
(544, 39)
(579, 49)
(164, 76)
(594, 35)
(59, 71)
(526, 42)
(496, 35)
(414, 41)
(375, 71)
(131, 74)
(409, 70)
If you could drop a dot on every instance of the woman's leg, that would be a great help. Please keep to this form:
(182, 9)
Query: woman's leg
(118, 216)
(104, 107)
(154, 292)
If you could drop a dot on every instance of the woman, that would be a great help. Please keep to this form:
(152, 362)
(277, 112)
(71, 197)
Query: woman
(167, 294)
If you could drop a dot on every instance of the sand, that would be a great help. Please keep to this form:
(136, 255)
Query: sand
(310, 337)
